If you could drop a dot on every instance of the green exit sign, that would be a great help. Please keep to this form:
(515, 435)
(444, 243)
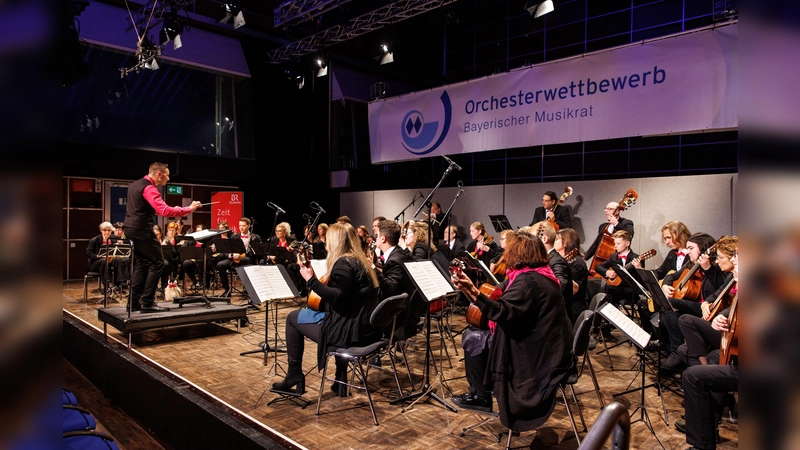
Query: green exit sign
(176, 190)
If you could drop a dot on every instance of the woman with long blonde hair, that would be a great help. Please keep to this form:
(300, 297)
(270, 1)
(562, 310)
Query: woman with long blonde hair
(349, 293)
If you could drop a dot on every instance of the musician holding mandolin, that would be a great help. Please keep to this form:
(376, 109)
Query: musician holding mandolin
(482, 246)
(229, 262)
(347, 299)
(551, 212)
(525, 352)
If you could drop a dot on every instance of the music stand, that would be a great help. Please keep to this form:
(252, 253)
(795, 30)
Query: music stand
(478, 266)
(500, 222)
(282, 255)
(662, 305)
(111, 253)
(432, 285)
(230, 246)
(640, 338)
(203, 237)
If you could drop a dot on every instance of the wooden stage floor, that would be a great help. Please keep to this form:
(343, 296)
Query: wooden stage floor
(208, 355)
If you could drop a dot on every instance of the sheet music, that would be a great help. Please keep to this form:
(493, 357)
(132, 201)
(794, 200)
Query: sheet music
(633, 331)
(268, 282)
(429, 279)
(320, 267)
(202, 234)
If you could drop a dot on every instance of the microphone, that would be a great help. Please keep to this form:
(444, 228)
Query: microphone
(451, 162)
(316, 206)
(276, 207)
(306, 216)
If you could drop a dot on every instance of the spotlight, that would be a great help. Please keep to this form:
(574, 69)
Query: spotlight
(152, 64)
(323, 67)
(172, 30)
(300, 81)
(386, 56)
(539, 9)
(228, 11)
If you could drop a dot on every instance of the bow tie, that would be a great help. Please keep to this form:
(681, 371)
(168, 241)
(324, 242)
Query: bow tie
(680, 254)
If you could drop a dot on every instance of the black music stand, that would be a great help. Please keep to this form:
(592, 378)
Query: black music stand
(203, 237)
(282, 255)
(640, 338)
(500, 222)
(111, 253)
(227, 247)
(269, 290)
(475, 265)
(662, 305)
(432, 285)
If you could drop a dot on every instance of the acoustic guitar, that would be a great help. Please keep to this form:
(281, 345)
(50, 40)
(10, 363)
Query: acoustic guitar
(723, 300)
(643, 257)
(606, 246)
(305, 253)
(689, 284)
(729, 343)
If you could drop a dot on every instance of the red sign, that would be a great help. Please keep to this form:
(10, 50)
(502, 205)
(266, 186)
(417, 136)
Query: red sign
(229, 209)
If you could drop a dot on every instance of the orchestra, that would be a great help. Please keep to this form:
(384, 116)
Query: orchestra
(551, 268)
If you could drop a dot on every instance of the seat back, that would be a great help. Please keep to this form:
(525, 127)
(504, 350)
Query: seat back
(580, 332)
(383, 315)
(597, 300)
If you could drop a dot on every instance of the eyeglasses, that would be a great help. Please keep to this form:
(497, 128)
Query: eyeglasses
(609, 209)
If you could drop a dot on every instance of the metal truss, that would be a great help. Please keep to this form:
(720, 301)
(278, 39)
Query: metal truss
(153, 11)
(371, 21)
(293, 12)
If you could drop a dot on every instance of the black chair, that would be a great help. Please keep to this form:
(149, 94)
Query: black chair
(384, 315)
(580, 343)
(86, 283)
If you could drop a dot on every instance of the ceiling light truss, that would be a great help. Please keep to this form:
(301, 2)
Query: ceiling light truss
(155, 9)
(292, 12)
(375, 20)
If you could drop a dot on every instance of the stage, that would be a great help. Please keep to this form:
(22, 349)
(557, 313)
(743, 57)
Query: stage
(204, 358)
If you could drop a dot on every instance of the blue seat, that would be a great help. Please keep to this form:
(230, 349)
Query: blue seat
(68, 398)
(88, 440)
(75, 418)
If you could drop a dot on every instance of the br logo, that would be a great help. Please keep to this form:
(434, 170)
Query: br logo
(421, 137)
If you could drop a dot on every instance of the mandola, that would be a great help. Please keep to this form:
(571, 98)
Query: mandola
(644, 256)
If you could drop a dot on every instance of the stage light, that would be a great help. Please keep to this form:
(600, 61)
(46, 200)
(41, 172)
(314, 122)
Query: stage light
(228, 11)
(387, 55)
(323, 67)
(172, 30)
(152, 64)
(539, 9)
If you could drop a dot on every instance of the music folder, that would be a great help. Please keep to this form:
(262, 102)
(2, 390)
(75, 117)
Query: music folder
(500, 222)
(265, 283)
(650, 281)
(282, 255)
(635, 333)
(430, 281)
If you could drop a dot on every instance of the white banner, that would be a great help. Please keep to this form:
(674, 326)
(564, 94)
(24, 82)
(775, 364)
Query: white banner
(680, 84)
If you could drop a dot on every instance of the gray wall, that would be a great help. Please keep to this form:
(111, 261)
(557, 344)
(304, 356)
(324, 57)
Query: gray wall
(705, 203)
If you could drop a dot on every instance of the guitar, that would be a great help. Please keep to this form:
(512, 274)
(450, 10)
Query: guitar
(689, 284)
(606, 247)
(643, 257)
(562, 199)
(723, 300)
(474, 316)
(486, 241)
(729, 343)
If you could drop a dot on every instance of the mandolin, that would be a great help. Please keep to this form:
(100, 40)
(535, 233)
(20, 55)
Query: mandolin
(643, 257)
(562, 199)
(606, 247)
(474, 316)
(486, 241)
(305, 253)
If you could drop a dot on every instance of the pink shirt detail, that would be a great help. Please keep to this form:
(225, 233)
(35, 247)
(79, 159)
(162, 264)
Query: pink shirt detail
(153, 197)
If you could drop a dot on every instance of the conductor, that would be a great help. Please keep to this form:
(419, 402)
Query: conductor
(144, 201)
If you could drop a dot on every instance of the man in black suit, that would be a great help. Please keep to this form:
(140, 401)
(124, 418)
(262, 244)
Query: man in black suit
(438, 222)
(613, 223)
(230, 262)
(393, 277)
(451, 244)
(547, 234)
(549, 211)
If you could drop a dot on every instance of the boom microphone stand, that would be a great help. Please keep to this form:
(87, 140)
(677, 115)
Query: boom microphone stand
(403, 212)
(427, 389)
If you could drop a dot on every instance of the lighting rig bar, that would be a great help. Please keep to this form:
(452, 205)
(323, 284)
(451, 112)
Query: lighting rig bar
(156, 9)
(293, 12)
(371, 21)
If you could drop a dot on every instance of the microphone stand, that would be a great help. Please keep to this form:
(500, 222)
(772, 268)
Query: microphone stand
(403, 212)
(427, 389)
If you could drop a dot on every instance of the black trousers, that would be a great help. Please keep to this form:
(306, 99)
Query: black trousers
(700, 337)
(227, 265)
(670, 320)
(295, 342)
(702, 386)
(475, 370)
(148, 264)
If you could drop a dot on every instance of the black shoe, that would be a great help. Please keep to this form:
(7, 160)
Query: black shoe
(291, 381)
(680, 425)
(152, 308)
(340, 389)
(472, 401)
(673, 364)
(136, 307)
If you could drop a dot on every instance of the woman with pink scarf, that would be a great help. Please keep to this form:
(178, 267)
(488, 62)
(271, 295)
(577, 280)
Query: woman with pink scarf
(525, 354)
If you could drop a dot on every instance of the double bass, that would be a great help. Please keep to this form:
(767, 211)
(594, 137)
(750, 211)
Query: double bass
(606, 247)
(562, 199)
